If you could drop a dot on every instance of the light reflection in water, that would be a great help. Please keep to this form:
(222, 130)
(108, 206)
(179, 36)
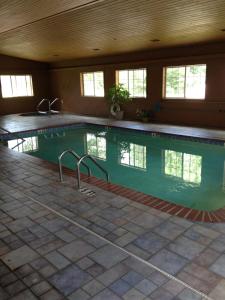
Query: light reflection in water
(132, 155)
(96, 145)
(183, 165)
(30, 144)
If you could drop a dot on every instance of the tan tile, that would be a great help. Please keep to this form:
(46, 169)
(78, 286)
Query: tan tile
(218, 293)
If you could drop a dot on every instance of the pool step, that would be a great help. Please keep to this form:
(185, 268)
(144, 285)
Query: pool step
(87, 192)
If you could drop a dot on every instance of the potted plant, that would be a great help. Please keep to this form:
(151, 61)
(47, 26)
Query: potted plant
(144, 115)
(118, 95)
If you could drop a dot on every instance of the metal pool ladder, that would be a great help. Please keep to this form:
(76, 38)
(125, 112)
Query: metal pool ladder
(95, 162)
(74, 154)
(79, 162)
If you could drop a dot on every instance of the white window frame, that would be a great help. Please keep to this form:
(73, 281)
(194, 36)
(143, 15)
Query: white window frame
(29, 92)
(144, 96)
(185, 80)
(82, 84)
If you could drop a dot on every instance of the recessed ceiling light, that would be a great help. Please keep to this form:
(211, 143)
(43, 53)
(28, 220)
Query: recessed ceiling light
(115, 39)
(55, 54)
(155, 40)
(96, 49)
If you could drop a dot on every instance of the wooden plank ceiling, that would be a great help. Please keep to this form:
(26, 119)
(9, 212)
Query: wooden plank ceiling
(54, 30)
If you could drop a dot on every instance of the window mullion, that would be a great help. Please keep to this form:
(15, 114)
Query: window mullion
(11, 86)
(185, 81)
(182, 165)
(128, 77)
(129, 153)
(26, 84)
(16, 81)
(83, 92)
(94, 82)
(1, 88)
(143, 92)
(96, 146)
(164, 83)
(143, 157)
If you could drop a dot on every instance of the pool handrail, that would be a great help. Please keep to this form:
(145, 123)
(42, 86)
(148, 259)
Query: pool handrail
(39, 104)
(95, 162)
(50, 103)
(74, 154)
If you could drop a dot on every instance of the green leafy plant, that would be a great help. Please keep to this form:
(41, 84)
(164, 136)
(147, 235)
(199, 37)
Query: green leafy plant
(144, 113)
(118, 94)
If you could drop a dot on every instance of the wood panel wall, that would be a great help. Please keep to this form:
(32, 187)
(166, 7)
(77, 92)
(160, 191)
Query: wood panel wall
(40, 75)
(65, 79)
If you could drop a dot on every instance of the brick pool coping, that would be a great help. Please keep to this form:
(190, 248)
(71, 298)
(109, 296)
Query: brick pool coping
(217, 216)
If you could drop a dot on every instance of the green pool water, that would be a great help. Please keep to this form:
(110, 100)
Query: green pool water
(178, 171)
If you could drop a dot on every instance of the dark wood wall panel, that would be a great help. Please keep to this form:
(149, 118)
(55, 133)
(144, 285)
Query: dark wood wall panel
(41, 84)
(209, 112)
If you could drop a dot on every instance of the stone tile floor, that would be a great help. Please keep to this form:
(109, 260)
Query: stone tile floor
(56, 243)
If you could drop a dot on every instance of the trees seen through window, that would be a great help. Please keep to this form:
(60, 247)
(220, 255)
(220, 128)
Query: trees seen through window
(134, 81)
(185, 82)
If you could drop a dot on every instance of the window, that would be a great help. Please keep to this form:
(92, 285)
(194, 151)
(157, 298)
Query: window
(93, 84)
(183, 165)
(133, 155)
(96, 145)
(30, 144)
(134, 81)
(185, 82)
(16, 86)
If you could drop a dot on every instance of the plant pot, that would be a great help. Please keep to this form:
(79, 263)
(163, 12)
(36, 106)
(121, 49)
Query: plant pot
(119, 115)
(145, 119)
(114, 109)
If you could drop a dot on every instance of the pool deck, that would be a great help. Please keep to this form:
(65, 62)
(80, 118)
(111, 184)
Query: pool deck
(18, 123)
(57, 243)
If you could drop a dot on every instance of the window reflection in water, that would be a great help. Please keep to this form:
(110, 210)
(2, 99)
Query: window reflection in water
(183, 165)
(132, 155)
(173, 163)
(223, 184)
(96, 145)
(30, 144)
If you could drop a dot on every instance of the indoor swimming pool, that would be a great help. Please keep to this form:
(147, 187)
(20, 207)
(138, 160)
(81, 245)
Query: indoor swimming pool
(180, 171)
